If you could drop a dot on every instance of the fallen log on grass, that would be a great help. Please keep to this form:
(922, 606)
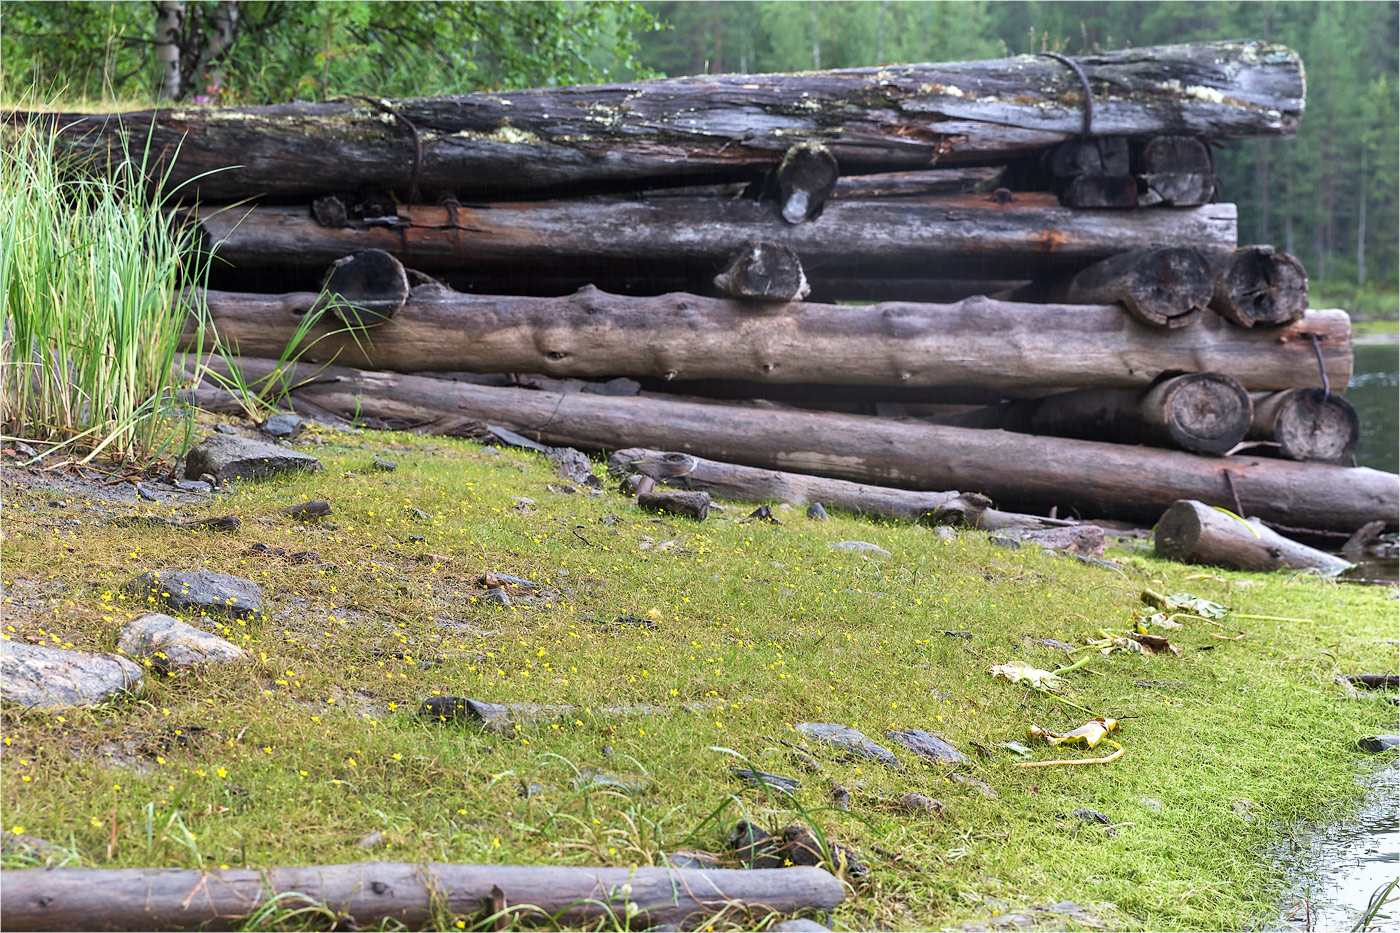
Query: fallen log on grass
(1195, 533)
(1307, 424)
(1017, 471)
(1205, 413)
(754, 484)
(957, 236)
(708, 127)
(366, 894)
(976, 342)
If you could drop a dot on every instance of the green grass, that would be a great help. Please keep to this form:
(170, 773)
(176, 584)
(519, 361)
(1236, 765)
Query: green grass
(89, 270)
(294, 756)
(1373, 302)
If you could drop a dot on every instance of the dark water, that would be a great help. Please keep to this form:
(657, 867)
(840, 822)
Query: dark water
(1375, 393)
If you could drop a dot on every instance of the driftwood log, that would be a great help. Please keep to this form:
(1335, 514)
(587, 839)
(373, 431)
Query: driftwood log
(601, 239)
(975, 342)
(1017, 471)
(713, 126)
(1195, 533)
(1256, 285)
(1307, 424)
(1205, 413)
(754, 484)
(368, 893)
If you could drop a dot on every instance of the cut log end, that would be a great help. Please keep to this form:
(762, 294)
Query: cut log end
(1176, 171)
(1308, 424)
(764, 271)
(1170, 287)
(1258, 286)
(1206, 413)
(367, 288)
(806, 177)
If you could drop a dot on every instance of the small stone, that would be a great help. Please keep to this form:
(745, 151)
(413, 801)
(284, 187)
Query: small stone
(209, 479)
(225, 429)
(528, 789)
(523, 502)
(143, 493)
(200, 590)
(228, 458)
(590, 778)
(944, 533)
(849, 739)
(1375, 744)
(840, 797)
(927, 745)
(496, 597)
(921, 804)
(310, 511)
(799, 925)
(194, 485)
(692, 859)
(1152, 803)
(982, 786)
(385, 466)
(1092, 816)
(175, 645)
(764, 513)
(282, 426)
(48, 678)
(371, 841)
(18, 844)
(817, 512)
(417, 513)
(860, 547)
(775, 781)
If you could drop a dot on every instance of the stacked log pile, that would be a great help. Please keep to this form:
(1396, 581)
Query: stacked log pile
(1054, 285)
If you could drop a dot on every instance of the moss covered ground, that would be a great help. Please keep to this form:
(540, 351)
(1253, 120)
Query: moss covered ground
(314, 743)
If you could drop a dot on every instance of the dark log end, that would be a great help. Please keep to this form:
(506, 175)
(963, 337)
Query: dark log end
(1256, 285)
(806, 177)
(1100, 155)
(765, 271)
(1176, 171)
(367, 288)
(1101, 191)
(1169, 287)
(1178, 531)
(1316, 425)
(330, 211)
(1206, 413)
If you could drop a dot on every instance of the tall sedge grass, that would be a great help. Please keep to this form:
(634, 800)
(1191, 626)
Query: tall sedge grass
(90, 268)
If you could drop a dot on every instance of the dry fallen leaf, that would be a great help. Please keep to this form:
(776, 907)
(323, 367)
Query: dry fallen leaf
(1024, 673)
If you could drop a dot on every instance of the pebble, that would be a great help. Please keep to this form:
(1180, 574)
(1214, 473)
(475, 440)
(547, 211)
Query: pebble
(371, 841)
(497, 597)
(386, 466)
(817, 512)
(282, 426)
(860, 547)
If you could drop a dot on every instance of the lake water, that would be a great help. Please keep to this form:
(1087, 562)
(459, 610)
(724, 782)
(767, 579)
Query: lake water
(1375, 393)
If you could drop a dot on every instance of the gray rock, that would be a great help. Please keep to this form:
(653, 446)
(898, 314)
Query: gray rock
(193, 485)
(944, 533)
(175, 645)
(283, 425)
(496, 597)
(849, 739)
(920, 804)
(816, 512)
(28, 847)
(860, 547)
(33, 675)
(1375, 744)
(419, 514)
(227, 458)
(799, 925)
(590, 778)
(927, 745)
(370, 840)
(777, 782)
(1092, 816)
(574, 466)
(201, 590)
(982, 786)
(691, 858)
(225, 429)
(386, 466)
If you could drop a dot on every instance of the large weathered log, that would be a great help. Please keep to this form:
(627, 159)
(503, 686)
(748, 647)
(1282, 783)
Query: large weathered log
(754, 484)
(1194, 533)
(1017, 471)
(960, 236)
(1307, 424)
(881, 118)
(1166, 286)
(976, 342)
(1176, 171)
(1256, 285)
(1205, 413)
(368, 893)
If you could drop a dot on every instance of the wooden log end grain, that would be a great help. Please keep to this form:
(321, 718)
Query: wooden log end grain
(366, 288)
(764, 271)
(1308, 424)
(806, 177)
(1205, 413)
(1175, 171)
(1257, 286)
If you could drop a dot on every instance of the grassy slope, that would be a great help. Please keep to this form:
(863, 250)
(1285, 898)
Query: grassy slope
(314, 744)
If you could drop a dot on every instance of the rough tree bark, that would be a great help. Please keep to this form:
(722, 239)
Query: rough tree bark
(713, 126)
(1195, 533)
(1166, 286)
(1017, 471)
(411, 895)
(976, 342)
(959, 236)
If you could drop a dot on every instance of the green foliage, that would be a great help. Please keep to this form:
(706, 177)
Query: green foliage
(316, 50)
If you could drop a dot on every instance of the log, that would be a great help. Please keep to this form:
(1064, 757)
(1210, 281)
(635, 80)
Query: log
(753, 484)
(1022, 472)
(1255, 285)
(956, 236)
(709, 127)
(407, 894)
(366, 288)
(694, 505)
(1307, 424)
(766, 272)
(976, 342)
(1093, 173)
(1205, 413)
(1175, 171)
(1194, 533)
(1165, 286)
(805, 179)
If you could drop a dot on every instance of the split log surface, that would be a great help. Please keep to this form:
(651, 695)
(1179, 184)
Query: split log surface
(1256, 285)
(754, 484)
(960, 236)
(1307, 424)
(882, 118)
(1165, 286)
(408, 894)
(1205, 413)
(1017, 471)
(976, 342)
(1194, 533)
